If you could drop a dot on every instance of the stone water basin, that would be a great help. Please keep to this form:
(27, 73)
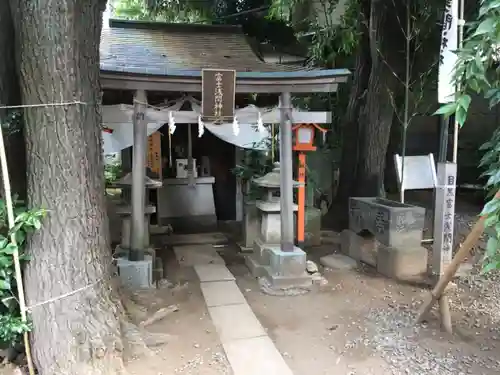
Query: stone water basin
(392, 223)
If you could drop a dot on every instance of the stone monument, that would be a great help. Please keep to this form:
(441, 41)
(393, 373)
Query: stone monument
(136, 274)
(387, 235)
(282, 269)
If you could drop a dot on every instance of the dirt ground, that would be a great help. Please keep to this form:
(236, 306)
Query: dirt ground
(362, 323)
(195, 348)
(358, 323)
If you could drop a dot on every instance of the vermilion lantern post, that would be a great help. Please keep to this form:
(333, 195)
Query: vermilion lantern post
(304, 142)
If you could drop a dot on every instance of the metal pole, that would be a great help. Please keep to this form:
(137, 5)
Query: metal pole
(138, 230)
(286, 174)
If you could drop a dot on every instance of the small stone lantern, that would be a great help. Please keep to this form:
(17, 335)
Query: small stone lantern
(267, 260)
(125, 210)
(282, 269)
(270, 207)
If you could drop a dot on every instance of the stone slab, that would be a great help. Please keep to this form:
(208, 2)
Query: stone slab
(195, 239)
(256, 269)
(402, 264)
(222, 293)
(213, 272)
(359, 248)
(245, 249)
(255, 356)
(235, 322)
(338, 262)
(192, 255)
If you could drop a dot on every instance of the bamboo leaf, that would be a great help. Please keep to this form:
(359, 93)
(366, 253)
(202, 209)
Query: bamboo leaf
(447, 109)
(485, 27)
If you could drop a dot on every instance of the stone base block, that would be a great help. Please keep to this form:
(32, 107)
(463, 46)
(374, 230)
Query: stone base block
(402, 264)
(283, 269)
(284, 263)
(288, 282)
(244, 249)
(136, 274)
(122, 252)
(359, 248)
(256, 269)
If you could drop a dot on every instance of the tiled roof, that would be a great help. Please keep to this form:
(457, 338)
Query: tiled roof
(159, 48)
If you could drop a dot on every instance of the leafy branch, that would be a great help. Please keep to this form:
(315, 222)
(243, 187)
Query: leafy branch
(477, 73)
(26, 222)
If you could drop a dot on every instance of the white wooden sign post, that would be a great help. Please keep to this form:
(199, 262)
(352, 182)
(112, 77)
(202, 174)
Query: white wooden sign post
(419, 172)
(444, 217)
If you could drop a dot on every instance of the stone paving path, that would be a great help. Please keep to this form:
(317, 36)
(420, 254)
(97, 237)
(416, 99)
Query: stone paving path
(248, 348)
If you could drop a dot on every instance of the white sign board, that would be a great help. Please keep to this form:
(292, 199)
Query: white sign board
(447, 56)
(444, 217)
(419, 172)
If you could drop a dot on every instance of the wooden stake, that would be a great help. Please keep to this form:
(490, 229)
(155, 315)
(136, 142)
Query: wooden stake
(444, 309)
(450, 271)
(17, 264)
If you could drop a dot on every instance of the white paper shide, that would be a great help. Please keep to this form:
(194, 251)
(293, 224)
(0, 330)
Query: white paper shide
(447, 56)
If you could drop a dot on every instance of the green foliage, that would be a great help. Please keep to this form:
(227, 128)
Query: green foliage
(26, 222)
(112, 169)
(11, 328)
(477, 70)
(491, 161)
(194, 11)
(333, 40)
(477, 73)
(255, 164)
(12, 123)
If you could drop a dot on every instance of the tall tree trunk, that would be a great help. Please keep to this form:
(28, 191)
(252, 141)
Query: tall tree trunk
(76, 329)
(370, 113)
(351, 126)
(386, 46)
(9, 95)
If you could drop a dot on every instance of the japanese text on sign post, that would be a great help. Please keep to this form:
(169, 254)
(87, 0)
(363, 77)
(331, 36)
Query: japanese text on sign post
(444, 216)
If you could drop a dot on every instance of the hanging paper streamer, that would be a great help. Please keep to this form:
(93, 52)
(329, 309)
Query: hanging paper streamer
(236, 126)
(201, 127)
(170, 162)
(171, 122)
(260, 124)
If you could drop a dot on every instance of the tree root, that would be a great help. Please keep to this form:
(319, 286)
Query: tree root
(136, 340)
(159, 315)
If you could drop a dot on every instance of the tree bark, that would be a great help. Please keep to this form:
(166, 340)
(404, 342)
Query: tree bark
(58, 51)
(386, 46)
(351, 126)
(367, 125)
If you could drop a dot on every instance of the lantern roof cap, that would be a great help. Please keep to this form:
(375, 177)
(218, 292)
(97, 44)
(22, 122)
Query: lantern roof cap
(148, 182)
(272, 179)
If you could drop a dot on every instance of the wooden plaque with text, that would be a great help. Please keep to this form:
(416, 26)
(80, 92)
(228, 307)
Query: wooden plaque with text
(218, 95)
(154, 154)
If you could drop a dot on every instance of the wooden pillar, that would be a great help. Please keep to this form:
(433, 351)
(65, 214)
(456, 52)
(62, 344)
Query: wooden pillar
(286, 173)
(301, 213)
(138, 230)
